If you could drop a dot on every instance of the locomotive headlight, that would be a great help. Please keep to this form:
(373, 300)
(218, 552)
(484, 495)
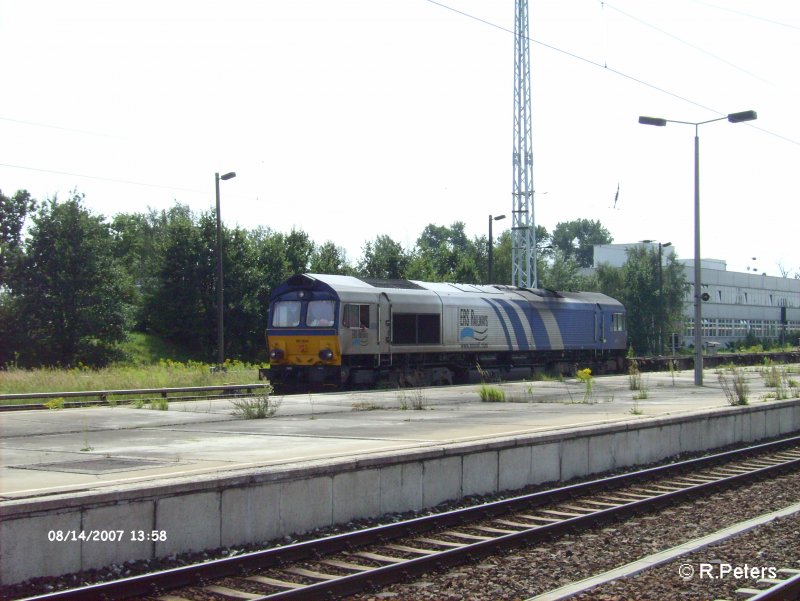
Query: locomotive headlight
(276, 354)
(326, 354)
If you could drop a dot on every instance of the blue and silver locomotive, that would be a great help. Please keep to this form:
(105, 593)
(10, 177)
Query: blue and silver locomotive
(343, 331)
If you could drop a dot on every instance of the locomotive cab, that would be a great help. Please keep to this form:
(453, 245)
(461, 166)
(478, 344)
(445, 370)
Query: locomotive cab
(302, 335)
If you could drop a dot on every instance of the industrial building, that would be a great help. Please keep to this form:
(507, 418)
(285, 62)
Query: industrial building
(738, 304)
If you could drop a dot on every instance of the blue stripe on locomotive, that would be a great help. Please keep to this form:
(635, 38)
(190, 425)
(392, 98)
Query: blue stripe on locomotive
(540, 338)
(516, 323)
(575, 321)
(500, 319)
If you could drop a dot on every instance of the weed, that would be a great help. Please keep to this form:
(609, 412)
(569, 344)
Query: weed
(736, 388)
(641, 394)
(672, 367)
(137, 404)
(161, 404)
(55, 403)
(365, 406)
(636, 410)
(585, 376)
(260, 406)
(773, 377)
(635, 376)
(491, 394)
(418, 400)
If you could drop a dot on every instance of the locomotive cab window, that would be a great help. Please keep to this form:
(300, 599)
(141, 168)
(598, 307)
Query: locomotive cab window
(618, 322)
(320, 313)
(355, 316)
(416, 328)
(286, 314)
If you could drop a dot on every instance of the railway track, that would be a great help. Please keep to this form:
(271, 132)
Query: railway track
(367, 559)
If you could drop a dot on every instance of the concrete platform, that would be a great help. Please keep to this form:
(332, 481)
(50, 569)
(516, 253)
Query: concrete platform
(202, 478)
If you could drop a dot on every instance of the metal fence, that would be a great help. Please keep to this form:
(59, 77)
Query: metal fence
(101, 397)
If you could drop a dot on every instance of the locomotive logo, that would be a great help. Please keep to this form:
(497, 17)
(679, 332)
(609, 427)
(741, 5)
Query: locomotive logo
(359, 337)
(472, 325)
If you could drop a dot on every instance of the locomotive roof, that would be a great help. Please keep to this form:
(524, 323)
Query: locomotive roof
(346, 283)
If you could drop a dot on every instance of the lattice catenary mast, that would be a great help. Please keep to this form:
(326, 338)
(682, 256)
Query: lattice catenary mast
(523, 226)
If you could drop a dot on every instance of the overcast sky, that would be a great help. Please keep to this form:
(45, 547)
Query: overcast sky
(354, 118)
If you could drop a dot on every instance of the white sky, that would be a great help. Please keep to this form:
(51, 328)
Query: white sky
(354, 118)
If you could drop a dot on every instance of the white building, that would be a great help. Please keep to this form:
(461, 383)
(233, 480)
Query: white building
(738, 303)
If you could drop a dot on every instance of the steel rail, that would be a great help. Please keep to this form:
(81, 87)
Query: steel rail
(275, 557)
(787, 590)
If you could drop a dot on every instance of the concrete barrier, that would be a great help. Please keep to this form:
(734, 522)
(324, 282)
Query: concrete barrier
(183, 514)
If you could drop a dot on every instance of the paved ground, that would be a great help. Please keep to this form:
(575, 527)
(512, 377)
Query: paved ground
(44, 452)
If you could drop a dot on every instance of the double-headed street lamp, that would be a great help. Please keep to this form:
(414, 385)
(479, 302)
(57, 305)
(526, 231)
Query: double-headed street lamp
(220, 296)
(698, 312)
(491, 249)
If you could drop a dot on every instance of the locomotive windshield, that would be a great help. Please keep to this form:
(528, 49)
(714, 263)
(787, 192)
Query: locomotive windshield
(320, 313)
(286, 314)
(290, 313)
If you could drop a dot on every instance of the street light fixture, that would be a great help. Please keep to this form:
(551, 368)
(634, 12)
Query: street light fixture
(698, 311)
(491, 247)
(220, 286)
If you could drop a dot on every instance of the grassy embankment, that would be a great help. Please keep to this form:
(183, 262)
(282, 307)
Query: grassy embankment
(150, 364)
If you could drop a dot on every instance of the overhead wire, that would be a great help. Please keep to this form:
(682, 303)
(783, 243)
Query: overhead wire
(100, 178)
(607, 68)
(748, 15)
(682, 41)
(556, 49)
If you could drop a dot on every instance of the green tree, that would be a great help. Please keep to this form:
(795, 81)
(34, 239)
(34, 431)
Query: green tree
(383, 258)
(502, 258)
(576, 238)
(503, 254)
(245, 297)
(446, 254)
(271, 256)
(331, 259)
(299, 249)
(562, 273)
(73, 297)
(13, 212)
(181, 299)
(140, 241)
(653, 297)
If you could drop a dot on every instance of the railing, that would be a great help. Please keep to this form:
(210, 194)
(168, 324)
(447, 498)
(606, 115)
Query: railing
(100, 397)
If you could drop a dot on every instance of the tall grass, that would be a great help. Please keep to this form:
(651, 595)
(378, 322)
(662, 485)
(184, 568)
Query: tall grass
(164, 374)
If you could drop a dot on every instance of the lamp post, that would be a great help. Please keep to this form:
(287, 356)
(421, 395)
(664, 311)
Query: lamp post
(220, 296)
(491, 247)
(698, 311)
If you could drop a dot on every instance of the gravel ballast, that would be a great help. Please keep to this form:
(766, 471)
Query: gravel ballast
(527, 572)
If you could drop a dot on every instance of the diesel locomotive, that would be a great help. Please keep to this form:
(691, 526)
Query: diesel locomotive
(334, 331)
